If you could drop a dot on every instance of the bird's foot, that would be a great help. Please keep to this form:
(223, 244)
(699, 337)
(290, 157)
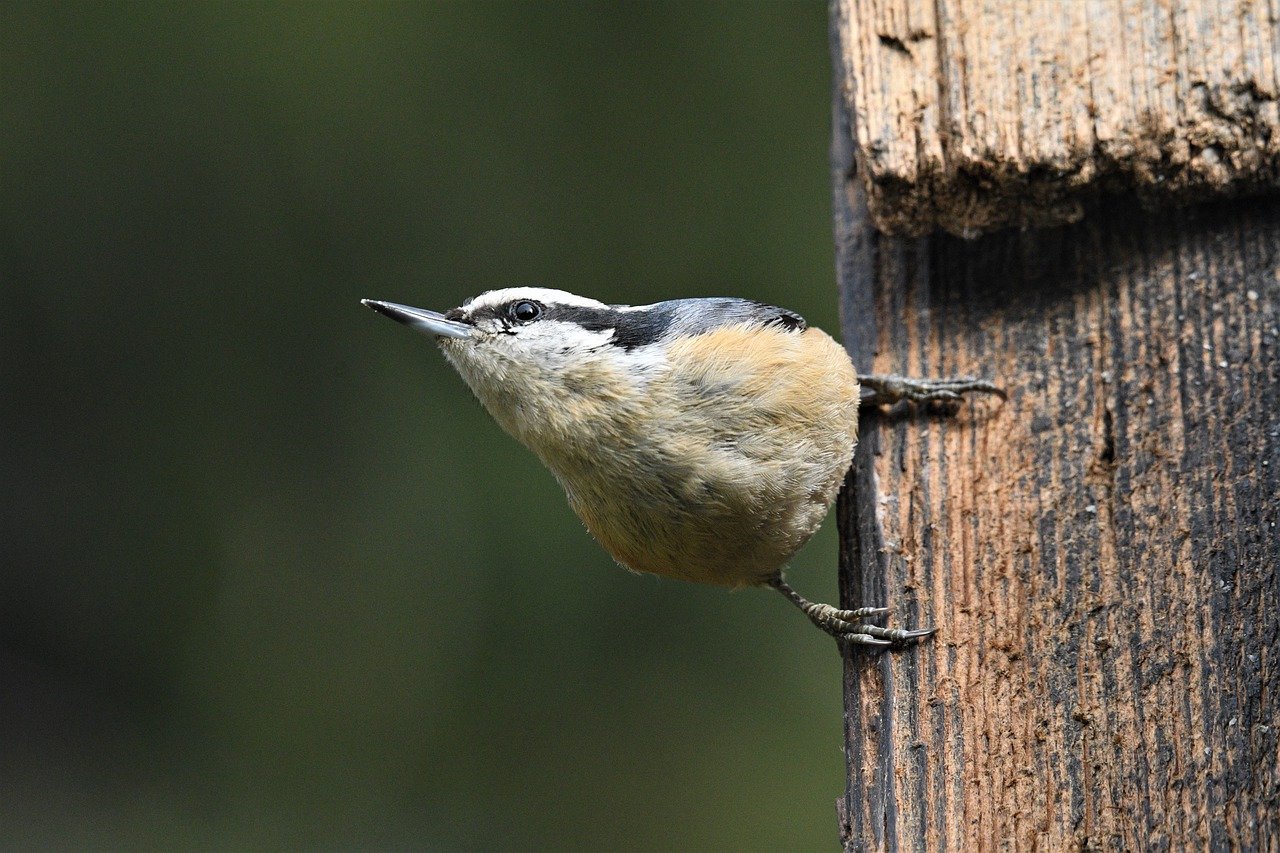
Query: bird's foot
(889, 389)
(847, 625)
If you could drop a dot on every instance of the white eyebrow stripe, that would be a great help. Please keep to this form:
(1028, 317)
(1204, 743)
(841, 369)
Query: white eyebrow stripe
(494, 298)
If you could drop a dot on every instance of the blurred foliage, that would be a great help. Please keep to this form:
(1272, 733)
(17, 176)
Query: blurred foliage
(268, 575)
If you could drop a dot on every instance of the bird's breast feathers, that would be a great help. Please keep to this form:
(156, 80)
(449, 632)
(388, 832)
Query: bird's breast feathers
(745, 438)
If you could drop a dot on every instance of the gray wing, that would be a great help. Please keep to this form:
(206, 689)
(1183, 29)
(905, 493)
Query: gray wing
(696, 316)
(648, 324)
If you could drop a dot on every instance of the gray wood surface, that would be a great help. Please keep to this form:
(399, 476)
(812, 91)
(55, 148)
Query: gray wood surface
(974, 114)
(1100, 554)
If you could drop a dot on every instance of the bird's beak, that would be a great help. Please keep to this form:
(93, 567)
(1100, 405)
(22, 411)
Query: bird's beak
(431, 322)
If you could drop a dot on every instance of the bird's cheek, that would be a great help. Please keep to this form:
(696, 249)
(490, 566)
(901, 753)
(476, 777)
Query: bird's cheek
(460, 343)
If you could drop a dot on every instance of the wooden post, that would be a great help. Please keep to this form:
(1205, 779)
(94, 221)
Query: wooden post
(1100, 554)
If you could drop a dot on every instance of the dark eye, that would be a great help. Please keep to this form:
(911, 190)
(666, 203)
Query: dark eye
(525, 311)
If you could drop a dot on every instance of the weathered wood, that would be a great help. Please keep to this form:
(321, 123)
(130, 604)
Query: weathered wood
(972, 114)
(1100, 554)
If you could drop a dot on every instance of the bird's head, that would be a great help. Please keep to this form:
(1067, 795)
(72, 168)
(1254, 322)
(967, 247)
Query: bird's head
(530, 353)
(519, 331)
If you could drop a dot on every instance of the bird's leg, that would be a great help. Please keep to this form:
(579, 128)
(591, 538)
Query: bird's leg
(888, 389)
(845, 625)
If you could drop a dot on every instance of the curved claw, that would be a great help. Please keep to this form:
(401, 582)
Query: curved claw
(893, 635)
(986, 388)
(862, 640)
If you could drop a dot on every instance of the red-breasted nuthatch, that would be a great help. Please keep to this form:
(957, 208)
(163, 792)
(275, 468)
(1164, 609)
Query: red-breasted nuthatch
(701, 439)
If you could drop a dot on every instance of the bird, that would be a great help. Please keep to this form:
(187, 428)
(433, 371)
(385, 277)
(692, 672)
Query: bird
(703, 439)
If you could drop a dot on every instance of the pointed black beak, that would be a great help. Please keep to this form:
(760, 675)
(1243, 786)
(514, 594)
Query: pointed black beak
(430, 322)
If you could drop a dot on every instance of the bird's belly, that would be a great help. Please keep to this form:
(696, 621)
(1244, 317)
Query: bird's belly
(733, 530)
(722, 466)
(703, 547)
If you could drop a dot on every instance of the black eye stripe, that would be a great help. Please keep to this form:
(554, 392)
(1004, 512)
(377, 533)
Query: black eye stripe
(631, 329)
(637, 327)
(489, 313)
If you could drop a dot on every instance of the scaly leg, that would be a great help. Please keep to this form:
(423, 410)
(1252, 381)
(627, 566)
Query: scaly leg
(844, 625)
(886, 390)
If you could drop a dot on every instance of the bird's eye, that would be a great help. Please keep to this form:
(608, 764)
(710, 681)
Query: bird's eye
(525, 311)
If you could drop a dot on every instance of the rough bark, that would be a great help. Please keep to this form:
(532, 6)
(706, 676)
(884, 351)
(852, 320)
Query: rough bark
(972, 114)
(1100, 554)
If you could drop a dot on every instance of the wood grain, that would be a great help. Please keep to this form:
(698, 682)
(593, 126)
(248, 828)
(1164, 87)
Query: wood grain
(972, 115)
(1100, 554)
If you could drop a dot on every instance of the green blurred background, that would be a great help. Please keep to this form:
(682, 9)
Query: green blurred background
(269, 576)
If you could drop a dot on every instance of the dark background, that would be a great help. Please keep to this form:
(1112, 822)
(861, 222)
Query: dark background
(269, 576)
